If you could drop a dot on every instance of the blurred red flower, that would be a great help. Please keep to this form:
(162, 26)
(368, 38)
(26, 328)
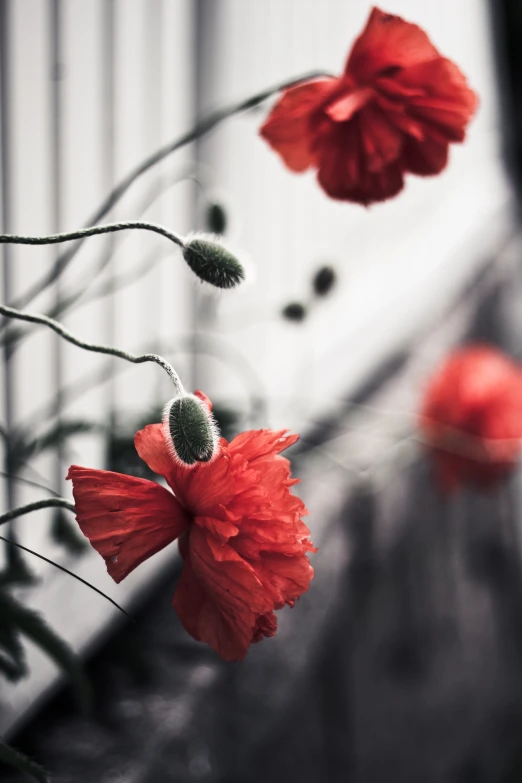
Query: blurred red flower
(471, 417)
(240, 532)
(395, 109)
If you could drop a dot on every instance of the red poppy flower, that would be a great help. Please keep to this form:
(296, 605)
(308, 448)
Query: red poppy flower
(240, 532)
(471, 417)
(395, 109)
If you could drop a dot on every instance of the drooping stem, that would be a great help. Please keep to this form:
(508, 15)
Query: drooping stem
(91, 231)
(48, 503)
(34, 318)
(65, 570)
(200, 129)
(13, 337)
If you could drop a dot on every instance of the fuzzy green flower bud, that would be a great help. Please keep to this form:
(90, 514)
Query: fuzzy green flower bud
(212, 262)
(190, 430)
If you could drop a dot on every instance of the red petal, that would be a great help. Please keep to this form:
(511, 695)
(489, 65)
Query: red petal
(346, 105)
(447, 103)
(222, 529)
(287, 127)
(425, 157)
(266, 625)
(126, 519)
(203, 397)
(471, 416)
(342, 171)
(202, 488)
(284, 578)
(253, 444)
(381, 141)
(152, 448)
(219, 597)
(388, 42)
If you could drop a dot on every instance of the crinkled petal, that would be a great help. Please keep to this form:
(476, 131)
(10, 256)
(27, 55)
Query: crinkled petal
(388, 43)
(259, 443)
(222, 529)
(287, 127)
(447, 103)
(209, 487)
(284, 578)
(126, 519)
(348, 103)
(425, 157)
(200, 489)
(219, 597)
(343, 173)
(152, 448)
(266, 625)
(381, 140)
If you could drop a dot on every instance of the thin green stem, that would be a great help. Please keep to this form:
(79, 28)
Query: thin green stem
(91, 231)
(13, 337)
(200, 129)
(66, 571)
(48, 503)
(34, 318)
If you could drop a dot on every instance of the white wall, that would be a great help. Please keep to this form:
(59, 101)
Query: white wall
(153, 88)
(422, 241)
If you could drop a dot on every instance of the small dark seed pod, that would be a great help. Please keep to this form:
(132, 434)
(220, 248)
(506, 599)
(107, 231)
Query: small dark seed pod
(294, 311)
(216, 218)
(324, 280)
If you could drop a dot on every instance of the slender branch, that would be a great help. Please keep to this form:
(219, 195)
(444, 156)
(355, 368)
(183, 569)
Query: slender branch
(66, 571)
(200, 129)
(13, 337)
(34, 318)
(204, 344)
(21, 510)
(91, 231)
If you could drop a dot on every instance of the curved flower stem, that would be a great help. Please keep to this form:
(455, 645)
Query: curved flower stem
(200, 129)
(205, 344)
(66, 571)
(34, 318)
(91, 231)
(48, 503)
(65, 304)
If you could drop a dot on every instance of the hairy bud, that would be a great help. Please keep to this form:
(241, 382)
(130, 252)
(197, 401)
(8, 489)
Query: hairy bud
(212, 262)
(190, 430)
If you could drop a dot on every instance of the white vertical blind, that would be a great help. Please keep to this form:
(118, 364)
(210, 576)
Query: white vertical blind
(153, 103)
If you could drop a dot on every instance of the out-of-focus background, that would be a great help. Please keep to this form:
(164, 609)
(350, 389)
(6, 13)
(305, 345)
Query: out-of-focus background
(404, 660)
